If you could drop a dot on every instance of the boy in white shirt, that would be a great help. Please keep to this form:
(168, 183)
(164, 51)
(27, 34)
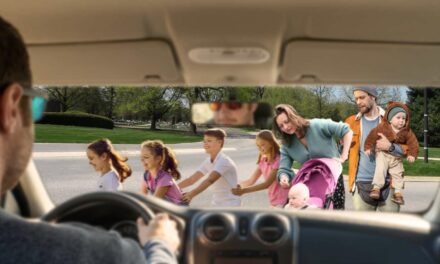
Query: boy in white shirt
(221, 171)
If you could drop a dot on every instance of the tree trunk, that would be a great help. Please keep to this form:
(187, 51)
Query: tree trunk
(193, 128)
(153, 123)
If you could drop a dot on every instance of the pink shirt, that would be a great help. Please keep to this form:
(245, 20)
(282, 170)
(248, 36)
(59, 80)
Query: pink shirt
(164, 179)
(277, 194)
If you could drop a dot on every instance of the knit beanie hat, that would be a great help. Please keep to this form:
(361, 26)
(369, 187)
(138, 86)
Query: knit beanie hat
(394, 111)
(369, 90)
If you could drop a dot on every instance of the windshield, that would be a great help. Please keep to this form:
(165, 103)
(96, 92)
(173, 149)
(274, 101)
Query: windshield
(76, 117)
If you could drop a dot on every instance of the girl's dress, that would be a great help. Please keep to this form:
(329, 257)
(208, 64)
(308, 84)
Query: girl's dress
(277, 194)
(164, 179)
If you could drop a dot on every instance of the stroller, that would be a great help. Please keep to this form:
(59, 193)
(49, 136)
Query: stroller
(321, 177)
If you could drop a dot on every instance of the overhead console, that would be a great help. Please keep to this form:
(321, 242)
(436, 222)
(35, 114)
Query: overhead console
(336, 62)
(103, 63)
(222, 237)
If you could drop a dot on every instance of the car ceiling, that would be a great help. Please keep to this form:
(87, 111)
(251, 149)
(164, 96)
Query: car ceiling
(148, 42)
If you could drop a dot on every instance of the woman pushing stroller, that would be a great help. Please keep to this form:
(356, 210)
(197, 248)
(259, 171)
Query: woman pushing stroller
(309, 139)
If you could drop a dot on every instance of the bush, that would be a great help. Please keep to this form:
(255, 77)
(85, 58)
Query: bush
(76, 119)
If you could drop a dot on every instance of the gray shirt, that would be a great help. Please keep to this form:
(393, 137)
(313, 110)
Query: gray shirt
(22, 241)
(367, 164)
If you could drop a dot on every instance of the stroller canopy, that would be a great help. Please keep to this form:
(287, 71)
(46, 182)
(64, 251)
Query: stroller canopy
(320, 176)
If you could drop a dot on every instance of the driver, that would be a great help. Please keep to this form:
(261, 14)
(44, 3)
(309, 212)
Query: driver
(22, 241)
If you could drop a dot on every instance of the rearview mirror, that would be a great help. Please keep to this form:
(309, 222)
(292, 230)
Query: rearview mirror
(235, 114)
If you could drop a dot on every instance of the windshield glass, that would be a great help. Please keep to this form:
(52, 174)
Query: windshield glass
(76, 117)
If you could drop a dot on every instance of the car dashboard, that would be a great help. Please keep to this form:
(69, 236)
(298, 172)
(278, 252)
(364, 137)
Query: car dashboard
(279, 236)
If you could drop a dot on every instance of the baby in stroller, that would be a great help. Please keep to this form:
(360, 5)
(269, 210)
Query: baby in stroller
(314, 184)
(299, 197)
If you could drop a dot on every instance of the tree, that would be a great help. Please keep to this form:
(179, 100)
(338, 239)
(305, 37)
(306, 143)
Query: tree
(150, 102)
(385, 94)
(259, 92)
(299, 97)
(92, 101)
(67, 97)
(322, 94)
(109, 97)
(202, 94)
(416, 104)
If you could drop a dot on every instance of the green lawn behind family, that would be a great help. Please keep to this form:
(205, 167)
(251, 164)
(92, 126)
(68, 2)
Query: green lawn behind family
(418, 168)
(75, 134)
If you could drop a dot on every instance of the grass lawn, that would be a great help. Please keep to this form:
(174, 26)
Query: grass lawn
(75, 134)
(432, 152)
(419, 167)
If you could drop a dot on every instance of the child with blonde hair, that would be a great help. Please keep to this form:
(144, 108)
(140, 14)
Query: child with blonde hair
(161, 172)
(113, 167)
(299, 196)
(268, 163)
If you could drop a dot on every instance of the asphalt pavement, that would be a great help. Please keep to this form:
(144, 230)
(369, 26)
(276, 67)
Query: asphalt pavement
(66, 173)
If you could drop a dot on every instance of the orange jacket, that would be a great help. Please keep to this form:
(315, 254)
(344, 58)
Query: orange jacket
(354, 122)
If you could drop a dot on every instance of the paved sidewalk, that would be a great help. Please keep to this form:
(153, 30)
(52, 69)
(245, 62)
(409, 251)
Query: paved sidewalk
(415, 178)
(421, 158)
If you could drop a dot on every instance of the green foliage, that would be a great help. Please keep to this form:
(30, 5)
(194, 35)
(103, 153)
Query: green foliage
(92, 100)
(299, 97)
(150, 103)
(311, 102)
(76, 119)
(172, 104)
(67, 98)
(416, 105)
(342, 110)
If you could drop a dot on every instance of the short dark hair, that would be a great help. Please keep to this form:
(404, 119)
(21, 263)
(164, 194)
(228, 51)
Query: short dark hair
(14, 58)
(14, 61)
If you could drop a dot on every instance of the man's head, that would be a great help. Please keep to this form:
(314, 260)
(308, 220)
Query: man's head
(213, 140)
(16, 129)
(365, 98)
(233, 113)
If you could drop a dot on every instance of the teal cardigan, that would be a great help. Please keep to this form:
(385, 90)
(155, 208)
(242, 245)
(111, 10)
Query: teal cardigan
(321, 139)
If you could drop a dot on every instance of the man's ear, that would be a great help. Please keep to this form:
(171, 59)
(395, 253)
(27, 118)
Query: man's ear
(10, 107)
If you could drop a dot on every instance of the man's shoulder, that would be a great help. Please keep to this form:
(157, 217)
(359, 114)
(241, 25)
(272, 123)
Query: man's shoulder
(48, 242)
(354, 123)
(352, 119)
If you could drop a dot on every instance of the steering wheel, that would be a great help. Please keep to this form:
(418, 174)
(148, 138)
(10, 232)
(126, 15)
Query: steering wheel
(104, 209)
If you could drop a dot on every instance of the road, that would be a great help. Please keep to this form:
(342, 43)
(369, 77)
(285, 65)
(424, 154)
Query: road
(66, 173)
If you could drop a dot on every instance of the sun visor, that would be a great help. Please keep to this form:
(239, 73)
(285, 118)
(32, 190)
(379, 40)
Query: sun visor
(130, 63)
(360, 63)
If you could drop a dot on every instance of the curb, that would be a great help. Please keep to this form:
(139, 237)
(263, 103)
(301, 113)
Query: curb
(414, 178)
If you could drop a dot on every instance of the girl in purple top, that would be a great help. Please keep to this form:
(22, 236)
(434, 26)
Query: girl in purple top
(268, 163)
(161, 172)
